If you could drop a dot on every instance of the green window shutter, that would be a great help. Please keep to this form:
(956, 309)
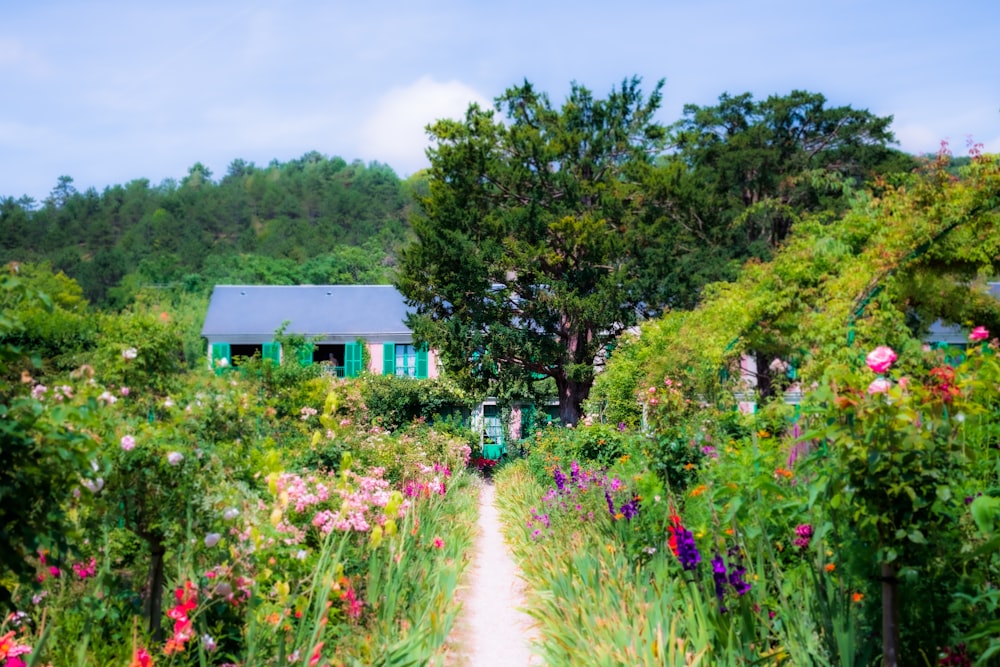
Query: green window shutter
(221, 351)
(305, 355)
(388, 358)
(271, 351)
(422, 361)
(353, 358)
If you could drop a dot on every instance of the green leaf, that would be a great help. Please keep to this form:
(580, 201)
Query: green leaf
(985, 511)
(917, 537)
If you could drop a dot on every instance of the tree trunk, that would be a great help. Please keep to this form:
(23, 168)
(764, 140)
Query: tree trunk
(154, 590)
(571, 396)
(890, 616)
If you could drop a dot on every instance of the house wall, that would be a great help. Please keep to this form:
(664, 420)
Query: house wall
(377, 368)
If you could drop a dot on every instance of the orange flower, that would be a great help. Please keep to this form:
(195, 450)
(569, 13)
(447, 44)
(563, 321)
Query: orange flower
(857, 597)
(830, 567)
(690, 466)
(783, 472)
(698, 490)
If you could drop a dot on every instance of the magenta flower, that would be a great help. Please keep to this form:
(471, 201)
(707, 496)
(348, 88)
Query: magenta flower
(879, 386)
(128, 443)
(438, 543)
(978, 334)
(880, 359)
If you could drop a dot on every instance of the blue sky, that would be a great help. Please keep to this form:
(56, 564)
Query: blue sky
(114, 90)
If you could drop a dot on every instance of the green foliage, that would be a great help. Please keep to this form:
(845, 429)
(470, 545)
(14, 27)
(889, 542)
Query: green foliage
(836, 287)
(392, 402)
(310, 220)
(521, 268)
(45, 447)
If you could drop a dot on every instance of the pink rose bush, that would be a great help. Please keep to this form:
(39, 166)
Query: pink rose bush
(881, 359)
(978, 334)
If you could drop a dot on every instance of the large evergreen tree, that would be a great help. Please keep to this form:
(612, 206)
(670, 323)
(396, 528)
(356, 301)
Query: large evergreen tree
(521, 269)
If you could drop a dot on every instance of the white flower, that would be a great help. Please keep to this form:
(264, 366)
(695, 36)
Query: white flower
(208, 642)
(168, 402)
(128, 443)
(107, 397)
(129, 353)
(222, 362)
(173, 458)
(93, 485)
(301, 554)
(212, 539)
(230, 514)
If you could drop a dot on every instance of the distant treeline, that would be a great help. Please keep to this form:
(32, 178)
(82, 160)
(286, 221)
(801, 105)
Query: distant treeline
(316, 219)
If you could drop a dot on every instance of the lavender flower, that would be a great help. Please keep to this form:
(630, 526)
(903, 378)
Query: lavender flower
(719, 575)
(559, 477)
(630, 509)
(611, 503)
(804, 531)
(687, 550)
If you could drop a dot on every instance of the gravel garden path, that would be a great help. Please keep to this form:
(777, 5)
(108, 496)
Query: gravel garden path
(491, 629)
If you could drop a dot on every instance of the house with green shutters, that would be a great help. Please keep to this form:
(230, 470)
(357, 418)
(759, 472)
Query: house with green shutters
(343, 325)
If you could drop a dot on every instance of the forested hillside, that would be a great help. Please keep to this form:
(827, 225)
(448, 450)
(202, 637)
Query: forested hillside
(316, 219)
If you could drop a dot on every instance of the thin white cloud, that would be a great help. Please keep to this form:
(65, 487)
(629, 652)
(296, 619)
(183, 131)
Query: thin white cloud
(15, 57)
(395, 133)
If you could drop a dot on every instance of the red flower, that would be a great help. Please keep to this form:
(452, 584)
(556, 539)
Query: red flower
(674, 529)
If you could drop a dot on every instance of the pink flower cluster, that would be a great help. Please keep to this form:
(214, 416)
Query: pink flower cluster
(85, 570)
(881, 359)
(11, 649)
(361, 501)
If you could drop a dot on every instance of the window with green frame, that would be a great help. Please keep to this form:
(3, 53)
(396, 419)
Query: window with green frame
(404, 360)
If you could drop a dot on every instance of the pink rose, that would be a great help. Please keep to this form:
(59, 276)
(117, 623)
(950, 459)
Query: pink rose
(880, 359)
(979, 333)
(879, 386)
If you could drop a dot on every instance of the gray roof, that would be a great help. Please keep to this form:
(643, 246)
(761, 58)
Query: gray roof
(252, 313)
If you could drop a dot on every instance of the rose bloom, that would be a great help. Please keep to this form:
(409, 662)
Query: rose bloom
(979, 333)
(880, 359)
(879, 386)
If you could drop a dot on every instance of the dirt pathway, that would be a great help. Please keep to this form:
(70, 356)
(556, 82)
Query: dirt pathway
(491, 630)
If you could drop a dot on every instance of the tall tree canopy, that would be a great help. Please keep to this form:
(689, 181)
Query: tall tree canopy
(521, 268)
(744, 171)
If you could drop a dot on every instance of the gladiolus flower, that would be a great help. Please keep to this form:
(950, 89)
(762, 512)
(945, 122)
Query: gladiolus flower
(978, 334)
(880, 359)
